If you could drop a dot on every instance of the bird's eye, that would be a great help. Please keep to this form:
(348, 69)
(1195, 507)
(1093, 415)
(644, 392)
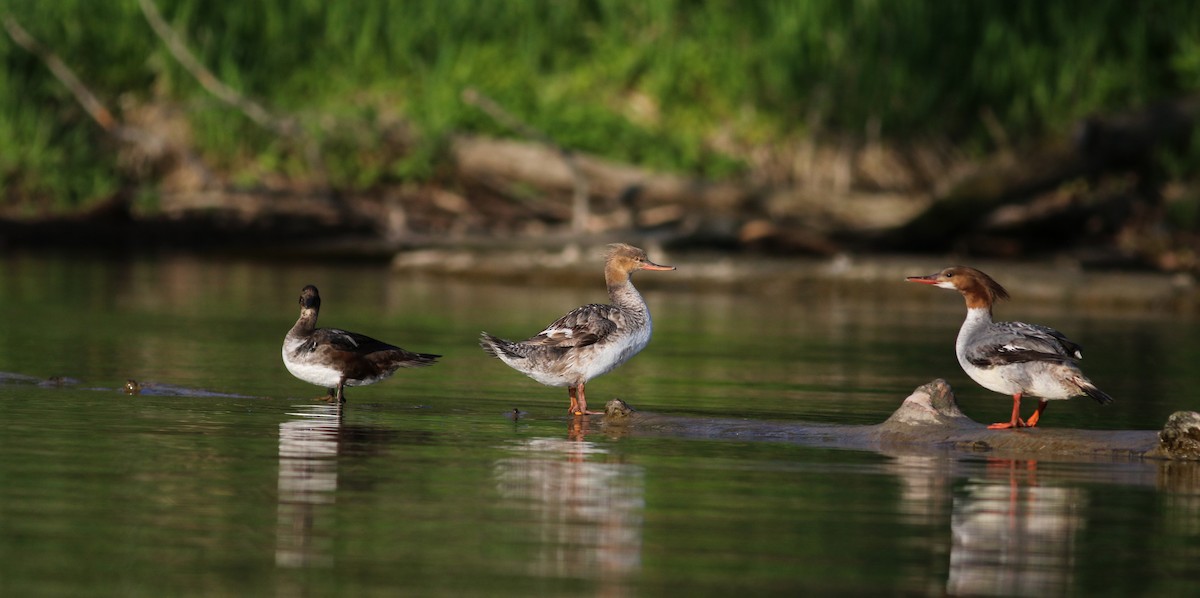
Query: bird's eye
(949, 274)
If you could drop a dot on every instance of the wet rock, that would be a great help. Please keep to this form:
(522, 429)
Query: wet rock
(931, 404)
(617, 411)
(15, 378)
(133, 387)
(58, 382)
(1180, 437)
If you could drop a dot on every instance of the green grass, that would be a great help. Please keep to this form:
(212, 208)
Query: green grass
(652, 83)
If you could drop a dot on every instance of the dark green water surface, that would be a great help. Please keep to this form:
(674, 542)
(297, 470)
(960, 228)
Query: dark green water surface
(224, 477)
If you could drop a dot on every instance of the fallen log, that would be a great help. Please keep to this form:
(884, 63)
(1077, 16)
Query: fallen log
(506, 164)
(1111, 143)
(929, 421)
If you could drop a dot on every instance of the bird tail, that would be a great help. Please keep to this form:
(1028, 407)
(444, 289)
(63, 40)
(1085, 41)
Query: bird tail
(424, 359)
(1090, 390)
(499, 348)
(400, 358)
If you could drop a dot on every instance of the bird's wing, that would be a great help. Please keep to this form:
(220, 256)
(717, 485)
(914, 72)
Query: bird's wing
(1017, 342)
(336, 339)
(583, 326)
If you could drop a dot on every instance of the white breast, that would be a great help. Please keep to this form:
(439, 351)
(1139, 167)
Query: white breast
(321, 375)
(615, 354)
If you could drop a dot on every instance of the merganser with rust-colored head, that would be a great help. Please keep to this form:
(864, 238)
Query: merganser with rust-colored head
(1012, 358)
(590, 340)
(334, 358)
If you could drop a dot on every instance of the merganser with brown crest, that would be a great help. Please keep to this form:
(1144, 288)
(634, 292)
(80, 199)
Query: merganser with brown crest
(334, 358)
(590, 340)
(1013, 358)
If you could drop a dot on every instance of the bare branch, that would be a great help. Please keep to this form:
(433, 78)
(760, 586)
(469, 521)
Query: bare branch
(207, 79)
(284, 126)
(149, 146)
(63, 73)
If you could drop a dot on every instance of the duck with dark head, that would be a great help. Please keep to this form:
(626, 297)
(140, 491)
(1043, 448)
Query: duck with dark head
(334, 358)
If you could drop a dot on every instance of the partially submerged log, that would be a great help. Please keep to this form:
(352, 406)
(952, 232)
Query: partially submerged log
(929, 421)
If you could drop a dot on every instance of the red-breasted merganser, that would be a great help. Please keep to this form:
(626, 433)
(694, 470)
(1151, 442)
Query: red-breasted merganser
(590, 340)
(1013, 358)
(334, 358)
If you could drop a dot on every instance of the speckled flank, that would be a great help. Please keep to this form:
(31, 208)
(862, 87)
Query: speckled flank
(588, 341)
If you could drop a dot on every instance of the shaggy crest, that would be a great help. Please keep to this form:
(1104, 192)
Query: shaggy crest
(978, 282)
(624, 250)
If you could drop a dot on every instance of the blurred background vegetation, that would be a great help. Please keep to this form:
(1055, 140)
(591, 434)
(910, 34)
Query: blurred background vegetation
(690, 86)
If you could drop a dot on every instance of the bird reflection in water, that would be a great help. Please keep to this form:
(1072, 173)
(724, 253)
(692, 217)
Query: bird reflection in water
(308, 477)
(584, 506)
(1012, 536)
(1180, 483)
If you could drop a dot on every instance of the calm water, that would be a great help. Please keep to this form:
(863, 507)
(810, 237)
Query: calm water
(424, 486)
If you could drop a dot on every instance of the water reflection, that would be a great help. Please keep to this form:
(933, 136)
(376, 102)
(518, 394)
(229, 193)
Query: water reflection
(308, 477)
(1180, 482)
(925, 485)
(1012, 535)
(584, 506)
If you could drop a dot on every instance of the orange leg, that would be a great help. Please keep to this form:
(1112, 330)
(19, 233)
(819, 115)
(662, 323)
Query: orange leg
(579, 401)
(573, 392)
(1037, 415)
(1016, 421)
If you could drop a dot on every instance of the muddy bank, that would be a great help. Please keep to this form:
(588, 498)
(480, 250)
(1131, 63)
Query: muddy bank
(567, 259)
(928, 422)
(1045, 282)
(1097, 194)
